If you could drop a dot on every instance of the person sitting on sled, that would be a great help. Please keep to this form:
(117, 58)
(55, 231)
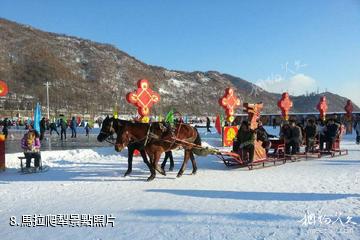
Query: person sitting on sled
(30, 143)
(245, 141)
(263, 135)
(331, 133)
(357, 129)
(293, 139)
(310, 135)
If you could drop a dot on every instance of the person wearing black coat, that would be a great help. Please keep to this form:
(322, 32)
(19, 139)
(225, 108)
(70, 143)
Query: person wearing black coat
(42, 128)
(331, 132)
(293, 139)
(310, 135)
(5, 129)
(63, 127)
(208, 124)
(357, 130)
(53, 127)
(263, 135)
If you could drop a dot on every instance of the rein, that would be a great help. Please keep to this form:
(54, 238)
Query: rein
(108, 141)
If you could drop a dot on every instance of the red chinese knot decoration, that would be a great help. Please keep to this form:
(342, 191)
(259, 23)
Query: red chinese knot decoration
(3, 89)
(285, 104)
(349, 109)
(143, 98)
(322, 107)
(230, 102)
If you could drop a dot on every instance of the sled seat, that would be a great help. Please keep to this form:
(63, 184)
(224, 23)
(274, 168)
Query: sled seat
(22, 163)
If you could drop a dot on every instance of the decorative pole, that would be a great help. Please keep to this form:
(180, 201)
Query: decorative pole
(47, 84)
(253, 111)
(348, 116)
(322, 107)
(349, 109)
(230, 102)
(285, 104)
(3, 89)
(143, 98)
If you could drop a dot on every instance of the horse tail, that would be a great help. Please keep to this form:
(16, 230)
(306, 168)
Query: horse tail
(199, 150)
(198, 138)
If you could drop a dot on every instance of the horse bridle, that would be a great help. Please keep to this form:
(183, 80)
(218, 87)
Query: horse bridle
(112, 131)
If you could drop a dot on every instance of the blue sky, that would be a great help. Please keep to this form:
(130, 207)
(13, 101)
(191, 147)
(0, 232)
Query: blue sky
(281, 45)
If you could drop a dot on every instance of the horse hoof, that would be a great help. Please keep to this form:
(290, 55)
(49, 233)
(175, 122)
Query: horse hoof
(152, 177)
(193, 173)
(171, 169)
(127, 174)
(179, 175)
(161, 171)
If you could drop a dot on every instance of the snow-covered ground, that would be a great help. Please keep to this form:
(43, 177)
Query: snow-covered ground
(315, 199)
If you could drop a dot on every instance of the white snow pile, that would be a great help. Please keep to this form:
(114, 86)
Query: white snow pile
(314, 199)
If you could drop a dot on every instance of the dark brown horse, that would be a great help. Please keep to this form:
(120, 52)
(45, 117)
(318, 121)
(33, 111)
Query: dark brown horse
(108, 130)
(157, 139)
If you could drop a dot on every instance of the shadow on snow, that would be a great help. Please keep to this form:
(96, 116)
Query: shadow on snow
(255, 196)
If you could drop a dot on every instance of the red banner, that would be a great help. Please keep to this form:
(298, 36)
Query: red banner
(229, 133)
(218, 124)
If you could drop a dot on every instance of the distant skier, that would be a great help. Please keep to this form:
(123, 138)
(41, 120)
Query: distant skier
(73, 125)
(87, 128)
(53, 128)
(63, 127)
(42, 128)
(5, 128)
(208, 124)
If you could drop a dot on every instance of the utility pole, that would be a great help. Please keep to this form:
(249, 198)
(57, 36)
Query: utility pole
(47, 84)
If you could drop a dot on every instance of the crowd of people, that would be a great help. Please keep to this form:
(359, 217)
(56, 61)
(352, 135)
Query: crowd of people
(53, 126)
(31, 141)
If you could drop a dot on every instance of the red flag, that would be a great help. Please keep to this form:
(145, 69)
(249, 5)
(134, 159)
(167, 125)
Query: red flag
(218, 124)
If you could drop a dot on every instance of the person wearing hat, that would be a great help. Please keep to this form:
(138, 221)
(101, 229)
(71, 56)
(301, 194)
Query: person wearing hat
(245, 142)
(294, 138)
(30, 143)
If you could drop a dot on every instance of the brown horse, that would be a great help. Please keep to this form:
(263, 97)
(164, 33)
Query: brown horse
(159, 139)
(108, 129)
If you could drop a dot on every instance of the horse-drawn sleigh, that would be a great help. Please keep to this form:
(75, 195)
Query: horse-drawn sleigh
(156, 138)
